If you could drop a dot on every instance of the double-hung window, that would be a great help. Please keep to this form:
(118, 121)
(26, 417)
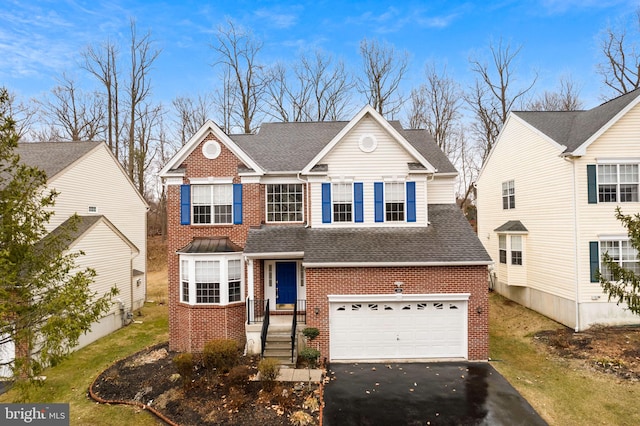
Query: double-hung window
(516, 250)
(620, 252)
(508, 195)
(394, 197)
(212, 204)
(215, 279)
(285, 202)
(618, 183)
(502, 248)
(342, 194)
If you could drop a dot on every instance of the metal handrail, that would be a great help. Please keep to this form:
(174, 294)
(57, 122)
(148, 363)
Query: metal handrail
(265, 329)
(294, 325)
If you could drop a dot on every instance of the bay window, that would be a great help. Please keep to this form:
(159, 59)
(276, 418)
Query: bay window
(211, 279)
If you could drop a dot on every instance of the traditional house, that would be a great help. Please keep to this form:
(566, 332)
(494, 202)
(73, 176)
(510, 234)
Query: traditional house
(349, 227)
(547, 196)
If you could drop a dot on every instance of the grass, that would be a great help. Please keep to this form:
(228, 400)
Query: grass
(563, 392)
(69, 381)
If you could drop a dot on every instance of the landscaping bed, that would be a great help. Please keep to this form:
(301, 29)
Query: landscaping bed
(150, 378)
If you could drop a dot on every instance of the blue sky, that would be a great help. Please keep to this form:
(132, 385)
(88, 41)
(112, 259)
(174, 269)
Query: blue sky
(41, 39)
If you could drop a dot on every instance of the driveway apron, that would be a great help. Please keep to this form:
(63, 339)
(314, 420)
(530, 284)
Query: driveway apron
(444, 393)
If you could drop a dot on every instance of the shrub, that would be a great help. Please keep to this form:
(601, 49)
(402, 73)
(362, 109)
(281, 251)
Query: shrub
(184, 365)
(300, 418)
(269, 369)
(239, 377)
(310, 333)
(310, 356)
(221, 355)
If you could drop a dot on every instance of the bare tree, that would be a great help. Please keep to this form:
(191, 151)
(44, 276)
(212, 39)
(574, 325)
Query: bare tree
(71, 113)
(145, 145)
(191, 114)
(494, 95)
(565, 99)
(384, 69)
(23, 114)
(318, 90)
(237, 52)
(620, 66)
(225, 99)
(139, 88)
(436, 106)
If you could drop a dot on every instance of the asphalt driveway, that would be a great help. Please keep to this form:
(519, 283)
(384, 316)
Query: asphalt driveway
(445, 393)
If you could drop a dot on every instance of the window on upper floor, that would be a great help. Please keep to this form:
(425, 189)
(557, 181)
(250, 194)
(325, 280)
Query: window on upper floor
(621, 252)
(508, 195)
(342, 195)
(213, 280)
(618, 183)
(394, 197)
(285, 202)
(212, 204)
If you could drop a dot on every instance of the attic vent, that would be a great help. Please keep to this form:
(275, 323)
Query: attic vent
(211, 150)
(368, 143)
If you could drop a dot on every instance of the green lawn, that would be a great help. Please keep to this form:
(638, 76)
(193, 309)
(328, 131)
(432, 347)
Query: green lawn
(70, 380)
(563, 392)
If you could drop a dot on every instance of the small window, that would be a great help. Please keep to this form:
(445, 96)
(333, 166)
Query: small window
(452, 306)
(516, 250)
(421, 306)
(508, 195)
(373, 306)
(438, 305)
(184, 280)
(341, 308)
(235, 279)
(406, 308)
(356, 307)
(502, 248)
(93, 209)
(388, 308)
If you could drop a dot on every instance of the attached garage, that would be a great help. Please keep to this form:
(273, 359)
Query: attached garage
(398, 327)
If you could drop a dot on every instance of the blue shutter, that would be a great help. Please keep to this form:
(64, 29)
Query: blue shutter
(185, 204)
(378, 197)
(358, 202)
(592, 184)
(237, 203)
(594, 260)
(411, 201)
(326, 203)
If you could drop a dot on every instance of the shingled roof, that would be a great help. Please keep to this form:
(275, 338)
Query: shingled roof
(573, 128)
(53, 157)
(291, 146)
(448, 239)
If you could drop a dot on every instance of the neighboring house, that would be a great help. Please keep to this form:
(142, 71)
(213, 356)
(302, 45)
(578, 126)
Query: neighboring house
(352, 224)
(546, 200)
(112, 226)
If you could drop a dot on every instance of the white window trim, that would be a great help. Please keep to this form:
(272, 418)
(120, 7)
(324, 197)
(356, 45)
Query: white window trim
(353, 212)
(211, 184)
(266, 202)
(224, 277)
(612, 238)
(508, 196)
(523, 242)
(617, 163)
(402, 182)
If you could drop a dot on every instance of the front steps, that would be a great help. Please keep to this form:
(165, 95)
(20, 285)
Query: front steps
(278, 345)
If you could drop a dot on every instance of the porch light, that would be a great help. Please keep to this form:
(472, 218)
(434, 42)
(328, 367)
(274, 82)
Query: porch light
(398, 288)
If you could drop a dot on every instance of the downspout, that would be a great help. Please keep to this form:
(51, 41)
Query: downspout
(307, 205)
(575, 243)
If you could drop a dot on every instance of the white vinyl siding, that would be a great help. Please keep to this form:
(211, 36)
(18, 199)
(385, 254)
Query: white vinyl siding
(547, 240)
(441, 190)
(388, 162)
(97, 180)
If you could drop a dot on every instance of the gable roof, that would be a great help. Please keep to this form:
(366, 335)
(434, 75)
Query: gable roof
(293, 146)
(576, 130)
(449, 240)
(75, 227)
(53, 157)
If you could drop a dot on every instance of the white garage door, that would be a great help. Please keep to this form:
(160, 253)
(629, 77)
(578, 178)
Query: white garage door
(391, 329)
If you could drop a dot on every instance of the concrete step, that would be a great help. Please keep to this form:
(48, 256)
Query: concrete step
(279, 344)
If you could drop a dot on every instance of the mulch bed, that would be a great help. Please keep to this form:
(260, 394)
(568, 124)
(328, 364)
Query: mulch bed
(150, 379)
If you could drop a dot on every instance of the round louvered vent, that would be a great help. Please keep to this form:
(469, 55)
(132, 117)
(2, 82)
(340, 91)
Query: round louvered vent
(368, 143)
(211, 149)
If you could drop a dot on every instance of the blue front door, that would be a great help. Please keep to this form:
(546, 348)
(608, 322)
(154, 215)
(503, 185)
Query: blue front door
(286, 283)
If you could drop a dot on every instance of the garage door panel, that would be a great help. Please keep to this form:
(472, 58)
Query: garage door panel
(398, 329)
